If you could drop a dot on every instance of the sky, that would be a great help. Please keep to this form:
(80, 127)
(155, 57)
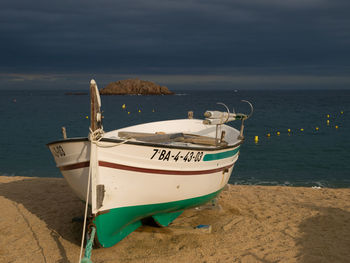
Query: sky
(201, 44)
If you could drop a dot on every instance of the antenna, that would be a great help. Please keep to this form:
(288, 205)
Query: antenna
(251, 109)
(228, 111)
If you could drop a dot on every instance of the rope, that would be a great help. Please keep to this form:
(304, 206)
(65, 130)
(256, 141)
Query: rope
(94, 136)
(114, 144)
(88, 248)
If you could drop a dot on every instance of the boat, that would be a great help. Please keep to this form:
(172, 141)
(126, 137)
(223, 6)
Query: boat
(151, 171)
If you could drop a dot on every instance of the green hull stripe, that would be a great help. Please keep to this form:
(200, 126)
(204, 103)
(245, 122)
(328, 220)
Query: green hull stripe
(222, 155)
(116, 224)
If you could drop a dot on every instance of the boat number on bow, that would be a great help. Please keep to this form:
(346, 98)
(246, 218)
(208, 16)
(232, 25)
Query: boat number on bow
(58, 151)
(166, 155)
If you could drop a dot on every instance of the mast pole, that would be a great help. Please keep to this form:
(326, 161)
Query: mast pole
(93, 122)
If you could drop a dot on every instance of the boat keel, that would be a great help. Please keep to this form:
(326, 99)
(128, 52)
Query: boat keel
(115, 224)
(164, 219)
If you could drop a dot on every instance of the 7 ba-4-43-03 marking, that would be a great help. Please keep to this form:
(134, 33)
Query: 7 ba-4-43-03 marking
(168, 155)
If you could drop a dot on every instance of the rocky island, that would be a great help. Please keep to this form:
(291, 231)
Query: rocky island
(135, 87)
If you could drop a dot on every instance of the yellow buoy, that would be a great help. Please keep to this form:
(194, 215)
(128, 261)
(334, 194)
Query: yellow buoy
(327, 122)
(139, 111)
(289, 130)
(128, 112)
(86, 117)
(123, 106)
(268, 135)
(327, 115)
(256, 139)
(336, 126)
(278, 133)
(301, 129)
(341, 112)
(316, 128)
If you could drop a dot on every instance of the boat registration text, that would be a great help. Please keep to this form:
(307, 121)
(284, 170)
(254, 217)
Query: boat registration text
(168, 155)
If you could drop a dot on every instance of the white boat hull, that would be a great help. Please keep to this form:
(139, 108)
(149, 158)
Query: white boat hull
(136, 179)
(138, 176)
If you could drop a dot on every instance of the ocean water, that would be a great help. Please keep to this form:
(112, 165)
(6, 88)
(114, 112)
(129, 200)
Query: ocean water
(31, 119)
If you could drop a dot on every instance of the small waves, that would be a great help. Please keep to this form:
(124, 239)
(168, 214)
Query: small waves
(306, 183)
(7, 174)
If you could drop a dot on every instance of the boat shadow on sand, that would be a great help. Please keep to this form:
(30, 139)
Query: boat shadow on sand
(50, 200)
(325, 236)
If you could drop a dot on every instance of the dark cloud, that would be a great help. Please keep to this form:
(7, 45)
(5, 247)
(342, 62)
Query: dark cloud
(233, 38)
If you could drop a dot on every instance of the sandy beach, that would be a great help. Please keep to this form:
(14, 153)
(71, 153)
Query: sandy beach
(249, 224)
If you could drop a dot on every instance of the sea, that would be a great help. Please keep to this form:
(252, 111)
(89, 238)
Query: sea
(293, 138)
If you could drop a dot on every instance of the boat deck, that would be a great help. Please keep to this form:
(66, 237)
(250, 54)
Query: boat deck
(185, 132)
(172, 138)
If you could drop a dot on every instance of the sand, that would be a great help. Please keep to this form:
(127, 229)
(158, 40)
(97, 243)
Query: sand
(249, 224)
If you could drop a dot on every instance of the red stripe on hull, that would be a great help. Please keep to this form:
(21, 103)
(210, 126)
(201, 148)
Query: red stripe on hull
(142, 170)
(74, 166)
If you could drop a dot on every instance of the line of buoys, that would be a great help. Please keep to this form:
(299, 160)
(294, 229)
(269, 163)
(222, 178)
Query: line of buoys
(289, 131)
(138, 110)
